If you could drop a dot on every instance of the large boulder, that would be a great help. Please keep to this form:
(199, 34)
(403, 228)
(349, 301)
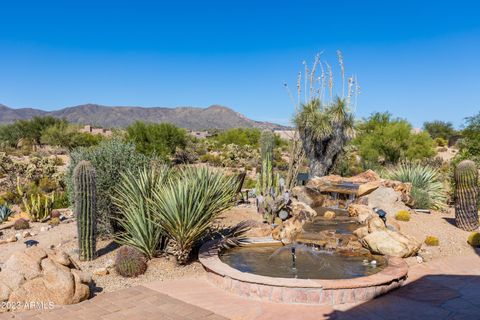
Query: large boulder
(362, 212)
(309, 196)
(288, 231)
(39, 275)
(302, 210)
(391, 243)
(387, 199)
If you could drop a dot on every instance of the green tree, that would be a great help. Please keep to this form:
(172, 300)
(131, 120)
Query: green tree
(160, 139)
(238, 136)
(439, 129)
(30, 130)
(68, 136)
(469, 144)
(383, 138)
(111, 159)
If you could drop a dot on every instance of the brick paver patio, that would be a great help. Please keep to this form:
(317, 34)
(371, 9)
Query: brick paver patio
(446, 288)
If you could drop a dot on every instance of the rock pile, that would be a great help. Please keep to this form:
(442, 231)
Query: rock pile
(42, 276)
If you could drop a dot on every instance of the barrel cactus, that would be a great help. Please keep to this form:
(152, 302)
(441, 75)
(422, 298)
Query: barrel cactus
(85, 209)
(130, 262)
(466, 196)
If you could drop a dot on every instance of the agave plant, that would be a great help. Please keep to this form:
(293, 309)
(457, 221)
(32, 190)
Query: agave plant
(188, 204)
(5, 212)
(427, 189)
(132, 197)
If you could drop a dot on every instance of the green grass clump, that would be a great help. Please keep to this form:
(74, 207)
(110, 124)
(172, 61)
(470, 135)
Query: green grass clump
(474, 239)
(432, 241)
(403, 215)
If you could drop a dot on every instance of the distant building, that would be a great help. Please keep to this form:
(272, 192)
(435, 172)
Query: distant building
(92, 130)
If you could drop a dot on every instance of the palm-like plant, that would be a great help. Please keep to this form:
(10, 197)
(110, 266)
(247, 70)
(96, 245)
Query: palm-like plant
(186, 207)
(427, 188)
(324, 131)
(132, 197)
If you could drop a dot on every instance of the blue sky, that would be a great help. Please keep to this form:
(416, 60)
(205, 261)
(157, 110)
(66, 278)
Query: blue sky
(417, 59)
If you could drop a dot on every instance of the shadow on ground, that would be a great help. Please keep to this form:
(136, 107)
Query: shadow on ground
(107, 249)
(430, 297)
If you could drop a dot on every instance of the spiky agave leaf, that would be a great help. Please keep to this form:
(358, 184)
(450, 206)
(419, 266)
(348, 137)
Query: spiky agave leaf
(425, 180)
(186, 207)
(132, 199)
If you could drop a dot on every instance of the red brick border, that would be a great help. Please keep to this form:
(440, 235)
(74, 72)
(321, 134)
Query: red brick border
(303, 291)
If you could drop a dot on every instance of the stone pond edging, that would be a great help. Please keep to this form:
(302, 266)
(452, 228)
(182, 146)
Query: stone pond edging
(300, 291)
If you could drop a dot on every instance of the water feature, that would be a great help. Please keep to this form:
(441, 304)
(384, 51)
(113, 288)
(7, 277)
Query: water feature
(300, 261)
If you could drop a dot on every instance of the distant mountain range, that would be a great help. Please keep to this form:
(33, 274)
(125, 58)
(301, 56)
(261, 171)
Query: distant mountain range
(191, 118)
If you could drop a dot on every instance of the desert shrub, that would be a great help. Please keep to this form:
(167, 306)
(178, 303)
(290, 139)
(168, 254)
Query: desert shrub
(21, 224)
(238, 136)
(159, 139)
(403, 215)
(68, 136)
(474, 239)
(133, 195)
(441, 142)
(27, 132)
(60, 200)
(188, 204)
(469, 145)
(386, 139)
(38, 206)
(440, 129)
(211, 159)
(129, 262)
(184, 156)
(5, 212)
(110, 159)
(427, 189)
(54, 221)
(432, 241)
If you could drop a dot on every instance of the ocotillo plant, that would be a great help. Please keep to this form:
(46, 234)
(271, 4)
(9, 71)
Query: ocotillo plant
(266, 180)
(466, 195)
(85, 209)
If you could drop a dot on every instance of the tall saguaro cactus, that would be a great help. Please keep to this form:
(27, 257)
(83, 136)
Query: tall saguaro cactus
(466, 195)
(85, 209)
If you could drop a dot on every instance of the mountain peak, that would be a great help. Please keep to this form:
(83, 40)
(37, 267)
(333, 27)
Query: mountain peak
(215, 116)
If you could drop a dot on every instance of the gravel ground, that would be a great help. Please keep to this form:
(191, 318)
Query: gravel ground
(453, 241)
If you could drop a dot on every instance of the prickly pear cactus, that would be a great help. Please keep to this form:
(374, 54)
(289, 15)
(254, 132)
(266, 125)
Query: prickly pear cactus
(85, 209)
(466, 195)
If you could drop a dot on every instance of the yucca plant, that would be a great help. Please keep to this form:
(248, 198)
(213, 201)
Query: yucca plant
(132, 197)
(324, 131)
(427, 189)
(188, 204)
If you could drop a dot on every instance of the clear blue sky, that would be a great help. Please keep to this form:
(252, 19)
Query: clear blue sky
(420, 60)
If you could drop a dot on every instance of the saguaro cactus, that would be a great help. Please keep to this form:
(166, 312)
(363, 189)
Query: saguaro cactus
(85, 209)
(466, 195)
